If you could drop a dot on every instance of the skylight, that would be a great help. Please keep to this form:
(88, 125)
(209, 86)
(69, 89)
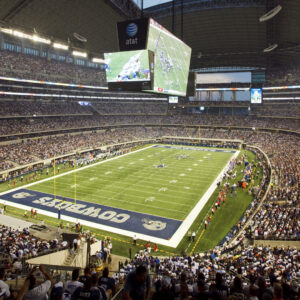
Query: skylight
(150, 3)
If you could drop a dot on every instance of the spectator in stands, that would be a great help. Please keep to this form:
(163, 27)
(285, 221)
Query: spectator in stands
(137, 285)
(219, 290)
(87, 274)
(72, 285)
(38, 292)
(108, 283)
(3, 286)
(90, 290)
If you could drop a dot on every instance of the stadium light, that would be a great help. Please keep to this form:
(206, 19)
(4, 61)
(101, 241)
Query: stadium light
(78, 53)
(270, 14)
(98, 60)
(23, 35)
(7, 30)
(39, 39)
(60, 46)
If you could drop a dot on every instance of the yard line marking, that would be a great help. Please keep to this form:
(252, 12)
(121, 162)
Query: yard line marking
(72, 171)
(151, 199)
(189, 220)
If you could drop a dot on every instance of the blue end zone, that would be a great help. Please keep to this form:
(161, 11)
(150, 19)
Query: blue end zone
(195, 149)
(163, 228)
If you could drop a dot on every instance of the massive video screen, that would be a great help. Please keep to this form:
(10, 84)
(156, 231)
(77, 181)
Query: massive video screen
(256, 96)
(171, 60)
(127, 66)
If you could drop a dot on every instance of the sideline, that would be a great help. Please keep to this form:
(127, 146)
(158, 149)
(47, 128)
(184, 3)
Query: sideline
(178, 234)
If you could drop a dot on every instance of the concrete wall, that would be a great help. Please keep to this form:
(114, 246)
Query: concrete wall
(56, 258)
(59, 257)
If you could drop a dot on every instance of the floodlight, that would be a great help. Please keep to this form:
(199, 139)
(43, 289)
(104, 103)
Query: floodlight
(98, 60)
(39, 39)
(7, 30)
(60, 46)
(78, 53)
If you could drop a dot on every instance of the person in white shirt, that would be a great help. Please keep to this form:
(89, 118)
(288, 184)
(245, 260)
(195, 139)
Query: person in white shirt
(72, 285)
(3, 285)
(38, 292)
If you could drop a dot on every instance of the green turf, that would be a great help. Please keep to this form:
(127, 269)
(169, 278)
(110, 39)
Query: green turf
(221, 223)
(133, 182)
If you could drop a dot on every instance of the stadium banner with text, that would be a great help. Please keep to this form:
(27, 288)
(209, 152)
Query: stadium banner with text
(133, 34)
(140, 223)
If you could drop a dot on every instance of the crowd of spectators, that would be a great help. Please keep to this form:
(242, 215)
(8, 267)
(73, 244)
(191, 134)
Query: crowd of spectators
(282, 76)
(20, 65)
(131, 108)
(253, 272)
(246, 273)
(28, 125)
(282, 110)
(31, 150)
(36, 108)
(18, 244)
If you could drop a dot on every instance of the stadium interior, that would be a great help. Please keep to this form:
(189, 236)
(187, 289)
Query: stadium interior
(170, 171)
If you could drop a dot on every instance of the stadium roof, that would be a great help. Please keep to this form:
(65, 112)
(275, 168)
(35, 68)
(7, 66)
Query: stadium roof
(220, 32)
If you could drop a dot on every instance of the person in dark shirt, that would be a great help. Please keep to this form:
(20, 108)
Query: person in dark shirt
(87, 273)
(90, 290)
(218, 291)
(137, 285)
(106, 282)
(236, 290)
(201, 292)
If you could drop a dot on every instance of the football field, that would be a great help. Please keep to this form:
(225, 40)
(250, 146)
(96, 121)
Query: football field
(155, 192)
(136, 183)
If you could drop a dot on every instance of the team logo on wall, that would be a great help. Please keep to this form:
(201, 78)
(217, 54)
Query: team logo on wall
(131, 29)
(154, 225)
